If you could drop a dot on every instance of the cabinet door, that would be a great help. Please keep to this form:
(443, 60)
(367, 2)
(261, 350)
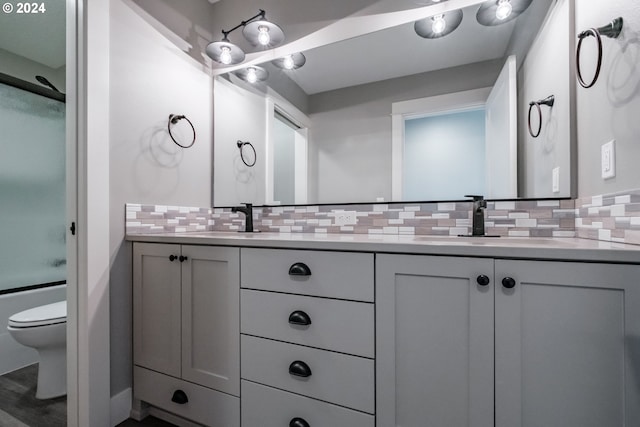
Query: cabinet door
(434, 341)
(211, 317)
(156, 307)
(567, 345)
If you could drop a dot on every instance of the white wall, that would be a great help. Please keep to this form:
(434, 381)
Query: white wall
(240, 115)
(546, 71)
(350, 137)
(610, 110)
(153, 72)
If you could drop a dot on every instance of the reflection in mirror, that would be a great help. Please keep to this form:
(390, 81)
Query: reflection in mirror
(348, 97)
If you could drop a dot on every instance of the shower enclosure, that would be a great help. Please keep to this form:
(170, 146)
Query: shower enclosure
(32, 206)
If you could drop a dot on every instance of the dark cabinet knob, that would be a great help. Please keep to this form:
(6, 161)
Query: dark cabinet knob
(300, 369)
(172, 258)
(179, 397)
(483, 280)
(298, 422)
(183, 258)
(508, 283)
(299, 318)
(299, 269)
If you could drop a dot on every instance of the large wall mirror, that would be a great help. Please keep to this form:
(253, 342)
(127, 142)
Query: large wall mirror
(384, 113)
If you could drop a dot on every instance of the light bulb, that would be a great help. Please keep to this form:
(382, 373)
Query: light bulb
(225, 55)
(288, 62)
(439, 24)
(252, 77)
(504, 9)
(263, 35)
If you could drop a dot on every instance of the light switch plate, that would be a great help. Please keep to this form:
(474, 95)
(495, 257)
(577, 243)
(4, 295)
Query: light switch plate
(608, 156)
(555, 174)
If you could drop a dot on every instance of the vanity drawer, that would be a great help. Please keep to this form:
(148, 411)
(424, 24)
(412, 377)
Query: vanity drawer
(264, 406)
(205, 406)
(344, 326)
(335, 378)
(343, 275)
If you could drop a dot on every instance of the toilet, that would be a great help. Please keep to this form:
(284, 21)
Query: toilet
(44, 328)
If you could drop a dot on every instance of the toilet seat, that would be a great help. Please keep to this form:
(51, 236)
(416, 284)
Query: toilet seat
(50, 314)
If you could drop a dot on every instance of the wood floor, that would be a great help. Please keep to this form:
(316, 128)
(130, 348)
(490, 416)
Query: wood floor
(149, 422)
(19, 406)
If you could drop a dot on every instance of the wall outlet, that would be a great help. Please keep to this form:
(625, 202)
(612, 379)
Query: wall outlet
(608, 153)
(555, 175)
(345, 218)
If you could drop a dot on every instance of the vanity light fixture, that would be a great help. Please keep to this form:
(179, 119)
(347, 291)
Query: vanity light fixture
(496, 12)
(439, 25)
(253, 74)
(290, 62)
(257, 30)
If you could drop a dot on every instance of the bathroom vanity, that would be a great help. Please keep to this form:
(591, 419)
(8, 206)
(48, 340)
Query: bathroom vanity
(302, 330)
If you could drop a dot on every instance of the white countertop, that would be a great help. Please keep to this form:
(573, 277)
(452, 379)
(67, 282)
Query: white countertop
(572, 249)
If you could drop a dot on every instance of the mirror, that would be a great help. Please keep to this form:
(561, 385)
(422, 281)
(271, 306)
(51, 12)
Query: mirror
(356, 104)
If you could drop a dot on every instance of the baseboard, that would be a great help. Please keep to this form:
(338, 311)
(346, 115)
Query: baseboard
(121, 406)
(170, 418)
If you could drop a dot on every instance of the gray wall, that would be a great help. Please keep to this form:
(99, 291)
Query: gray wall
(546, 71)
(154, 71)
(610, 109)
(350, 139)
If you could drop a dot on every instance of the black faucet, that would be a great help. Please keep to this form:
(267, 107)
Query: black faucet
(248, 213)
(479, 204)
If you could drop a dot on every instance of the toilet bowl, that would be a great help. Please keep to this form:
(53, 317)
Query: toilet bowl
(44, 328)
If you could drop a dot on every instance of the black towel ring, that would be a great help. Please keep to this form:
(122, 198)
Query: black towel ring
(611, 30)
(175, 118)
(241, 145)
(549, 101)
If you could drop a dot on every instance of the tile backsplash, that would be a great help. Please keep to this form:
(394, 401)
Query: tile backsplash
(613, 217)
(522, 218)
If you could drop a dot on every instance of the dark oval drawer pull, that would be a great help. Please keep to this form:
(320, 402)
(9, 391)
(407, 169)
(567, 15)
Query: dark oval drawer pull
(180, 397)
(172, 258)
(298, 422)
(483, 280)
(182, 258)
(300, 369)
(299, 318)
(508, 283)
(299, 269)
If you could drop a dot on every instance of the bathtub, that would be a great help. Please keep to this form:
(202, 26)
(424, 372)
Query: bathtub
(13, 355)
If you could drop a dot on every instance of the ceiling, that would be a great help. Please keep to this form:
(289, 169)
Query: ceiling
(39, 37)
(399, 51)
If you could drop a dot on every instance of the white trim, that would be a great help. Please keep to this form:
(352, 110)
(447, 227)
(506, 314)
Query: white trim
(73, 28)
(301, 148)
(421, 107)
(268, 166)
(90, 293)
(450, 102)
(121, 406)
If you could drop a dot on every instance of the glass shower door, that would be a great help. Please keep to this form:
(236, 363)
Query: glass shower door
(32, 189)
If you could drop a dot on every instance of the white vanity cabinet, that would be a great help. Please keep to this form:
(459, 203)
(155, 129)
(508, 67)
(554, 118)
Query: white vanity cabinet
(307, 334)
(186, 331)
(557, 343)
